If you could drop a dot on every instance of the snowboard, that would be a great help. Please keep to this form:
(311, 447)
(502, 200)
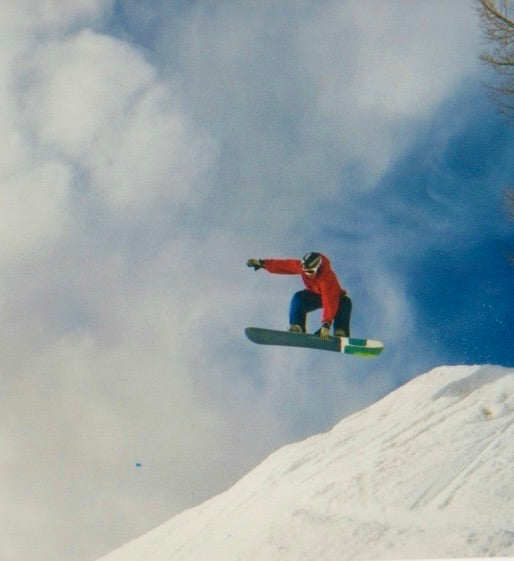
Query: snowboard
(347, 345)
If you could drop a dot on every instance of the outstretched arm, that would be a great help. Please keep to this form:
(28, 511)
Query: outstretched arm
(277, 266)
(283, 266)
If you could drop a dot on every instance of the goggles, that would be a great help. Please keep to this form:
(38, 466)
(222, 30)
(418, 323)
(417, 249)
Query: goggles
(311, 271)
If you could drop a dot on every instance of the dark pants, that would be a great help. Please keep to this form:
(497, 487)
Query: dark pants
(306, 301)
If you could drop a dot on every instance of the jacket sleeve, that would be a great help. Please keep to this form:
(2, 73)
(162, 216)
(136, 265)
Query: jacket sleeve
(283, 266)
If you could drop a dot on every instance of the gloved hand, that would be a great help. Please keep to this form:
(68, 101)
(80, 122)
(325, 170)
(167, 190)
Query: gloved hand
(324, 332)
(255, 263)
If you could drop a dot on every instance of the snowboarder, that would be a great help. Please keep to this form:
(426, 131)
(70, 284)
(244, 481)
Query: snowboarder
(323, 290)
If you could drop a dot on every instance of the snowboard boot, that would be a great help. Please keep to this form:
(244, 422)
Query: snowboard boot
(294, 328)
(340, 333)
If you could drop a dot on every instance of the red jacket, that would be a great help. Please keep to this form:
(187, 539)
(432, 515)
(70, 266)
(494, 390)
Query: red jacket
(324, 283)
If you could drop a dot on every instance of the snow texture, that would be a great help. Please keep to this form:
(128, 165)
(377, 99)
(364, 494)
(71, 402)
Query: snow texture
(425, 472)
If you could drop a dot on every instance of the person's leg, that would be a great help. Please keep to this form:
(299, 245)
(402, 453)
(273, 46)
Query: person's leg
(302, 303)
(342, 319)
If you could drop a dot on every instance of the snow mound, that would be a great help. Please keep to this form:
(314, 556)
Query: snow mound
(425, 472)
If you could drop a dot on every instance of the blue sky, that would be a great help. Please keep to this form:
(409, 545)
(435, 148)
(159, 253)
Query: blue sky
(152, 149)
(449, 209)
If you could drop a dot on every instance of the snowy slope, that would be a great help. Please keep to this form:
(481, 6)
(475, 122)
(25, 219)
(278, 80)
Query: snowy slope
(428, 471)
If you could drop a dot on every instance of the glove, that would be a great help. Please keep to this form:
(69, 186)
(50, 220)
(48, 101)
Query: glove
(255, 263)
(324, 332)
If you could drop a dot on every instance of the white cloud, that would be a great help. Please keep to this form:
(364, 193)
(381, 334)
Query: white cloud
(27, 16)
(78, 86)
(378, 69)
(33, 208)
(91, 381)
(153, 155)
(412, 75)
(95, 100)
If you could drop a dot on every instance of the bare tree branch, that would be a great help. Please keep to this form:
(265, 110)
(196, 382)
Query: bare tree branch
(497, 18)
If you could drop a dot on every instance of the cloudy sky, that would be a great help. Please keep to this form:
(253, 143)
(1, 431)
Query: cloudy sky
(149, 149)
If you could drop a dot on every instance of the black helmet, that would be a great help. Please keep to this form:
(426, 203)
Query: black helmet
(311, 262)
